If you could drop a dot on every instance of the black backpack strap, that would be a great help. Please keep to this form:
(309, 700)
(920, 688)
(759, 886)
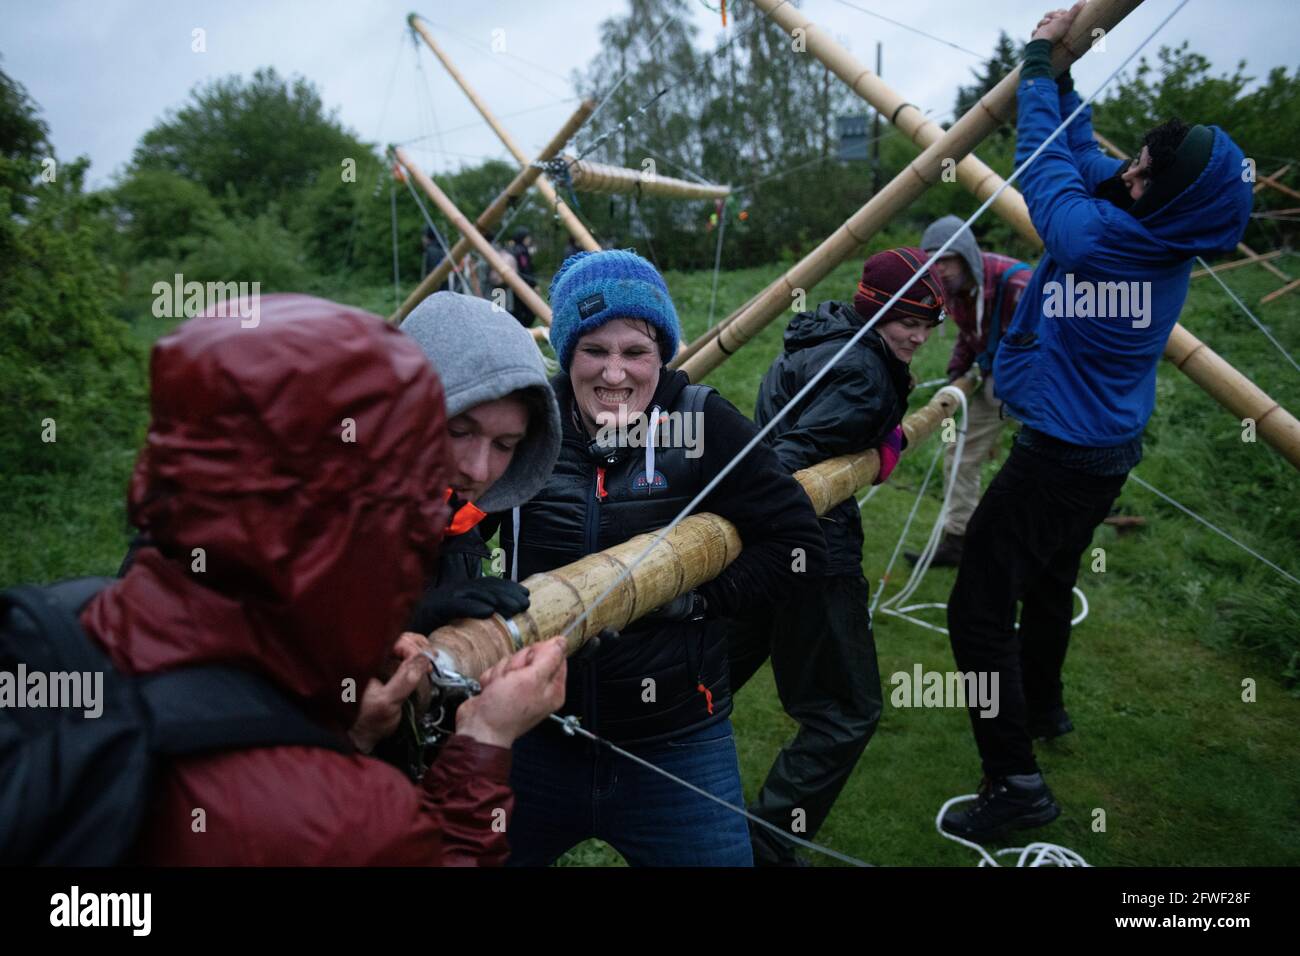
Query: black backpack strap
(985, 359)
(694, 397)
(53, 610)
(217, 707)
(192, 709)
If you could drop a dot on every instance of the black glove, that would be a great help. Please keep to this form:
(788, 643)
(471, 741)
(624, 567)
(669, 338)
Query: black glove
(478, 597)
(592, 645)
(690, 606)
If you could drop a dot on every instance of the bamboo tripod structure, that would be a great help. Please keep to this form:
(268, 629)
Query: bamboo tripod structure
(571, 222)
(695, 551)
(475, 238)
(496, 210)
(1224, 383)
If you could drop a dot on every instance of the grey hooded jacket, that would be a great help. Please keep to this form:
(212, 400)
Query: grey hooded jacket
(482, 354)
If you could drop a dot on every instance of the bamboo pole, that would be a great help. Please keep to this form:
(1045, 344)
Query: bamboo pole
(695, 551)
(496, 210)
(1273, 423)
(591, 177)
(571, 222)
(1237, 264)
(708, 336)
(1278, 293)
(991, 111)
(971, 171)
(1272, 182)
(481, 245)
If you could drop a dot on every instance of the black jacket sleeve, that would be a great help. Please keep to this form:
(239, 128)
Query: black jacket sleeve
(768, 508)
(849, 412)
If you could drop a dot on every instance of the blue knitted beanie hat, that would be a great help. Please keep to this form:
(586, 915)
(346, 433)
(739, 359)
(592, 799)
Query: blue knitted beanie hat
(593, 288)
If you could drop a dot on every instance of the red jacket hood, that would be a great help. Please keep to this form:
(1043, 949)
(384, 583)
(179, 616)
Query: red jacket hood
(306, 458)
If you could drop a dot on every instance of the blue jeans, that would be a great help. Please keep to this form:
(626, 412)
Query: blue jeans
(568, 789)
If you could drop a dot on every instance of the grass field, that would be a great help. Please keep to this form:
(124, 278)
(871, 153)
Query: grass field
(1185, 771)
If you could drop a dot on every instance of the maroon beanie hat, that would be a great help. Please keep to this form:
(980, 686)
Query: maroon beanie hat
(887, 272)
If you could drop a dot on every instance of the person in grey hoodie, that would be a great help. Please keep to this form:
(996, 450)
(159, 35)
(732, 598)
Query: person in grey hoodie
(981, 291)
(504, 427)
(504, 431)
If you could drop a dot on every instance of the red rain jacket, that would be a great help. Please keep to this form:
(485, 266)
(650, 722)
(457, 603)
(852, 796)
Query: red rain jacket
(306, 456)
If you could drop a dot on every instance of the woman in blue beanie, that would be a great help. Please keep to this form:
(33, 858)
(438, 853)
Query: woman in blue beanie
(638, 442)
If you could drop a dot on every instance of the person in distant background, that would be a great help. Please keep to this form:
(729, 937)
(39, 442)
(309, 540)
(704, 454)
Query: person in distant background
(522, 249)
(433, 255)
(981, 290)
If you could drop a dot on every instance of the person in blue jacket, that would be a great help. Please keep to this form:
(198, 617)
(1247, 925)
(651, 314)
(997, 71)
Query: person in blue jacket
(1077, 367)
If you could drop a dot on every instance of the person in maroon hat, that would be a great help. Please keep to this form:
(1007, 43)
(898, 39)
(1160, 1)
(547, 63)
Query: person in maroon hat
(821, 644)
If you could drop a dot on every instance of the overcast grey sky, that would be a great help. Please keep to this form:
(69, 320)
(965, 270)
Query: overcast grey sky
(105, 70)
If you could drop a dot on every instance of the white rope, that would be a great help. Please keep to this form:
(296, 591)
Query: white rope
(1035, 854)
(922, 566)
(857, 336)
(911, 515)
(717, 261)
(932, 544)
(1215, 528)
(571, 727)
(1249, 314)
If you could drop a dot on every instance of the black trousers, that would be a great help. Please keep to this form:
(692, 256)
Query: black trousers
(1023, 546)
(824, 661)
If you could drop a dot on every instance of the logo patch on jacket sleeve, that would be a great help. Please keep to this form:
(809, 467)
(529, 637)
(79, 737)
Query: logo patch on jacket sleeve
(591, 305)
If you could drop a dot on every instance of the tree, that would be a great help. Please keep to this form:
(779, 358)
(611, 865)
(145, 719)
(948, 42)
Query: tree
(1007, 55)
(62, 350)
(250, 143)
(22, 143)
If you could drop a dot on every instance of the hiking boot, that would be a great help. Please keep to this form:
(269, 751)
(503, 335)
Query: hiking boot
(1006, 803)
(1047, 726)
(947, 555)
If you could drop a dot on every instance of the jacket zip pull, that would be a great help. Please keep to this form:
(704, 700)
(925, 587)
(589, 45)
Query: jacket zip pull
(708, 695)
(600, 484)
(650, 449)
(514, 554)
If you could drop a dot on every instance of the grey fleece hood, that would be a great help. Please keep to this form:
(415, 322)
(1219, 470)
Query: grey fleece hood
(482, 354)
(939, 232)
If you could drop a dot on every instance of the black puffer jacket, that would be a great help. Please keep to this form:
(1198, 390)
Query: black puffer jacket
(460, 560)
(859, 401)
(570, 518)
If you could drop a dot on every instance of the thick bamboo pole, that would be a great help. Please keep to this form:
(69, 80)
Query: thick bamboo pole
(1273, 423)
(695, 551)
(990, 112)
(602, 178)
(494, 212)
(481, 245)
(571, 222)
(971, 171)
(688, 350)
